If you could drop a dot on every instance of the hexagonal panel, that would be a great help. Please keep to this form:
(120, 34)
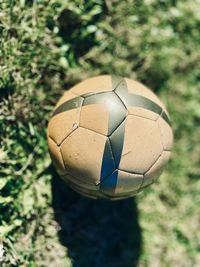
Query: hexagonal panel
(65, 118)
(56, 156)
(84, 153)
(137, 144)
(157, 168)
(121, 183)
(102, 113)
(101, 83)
(166, 134)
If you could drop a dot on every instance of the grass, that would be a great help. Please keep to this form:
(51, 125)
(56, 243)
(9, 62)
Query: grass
(47, 46)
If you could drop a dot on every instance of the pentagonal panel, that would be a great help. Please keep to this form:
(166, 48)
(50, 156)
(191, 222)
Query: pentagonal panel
(101, 83)
(120, 183)
(140, 145)
(157, 168)
(166, 134)
(56, 156)
(102, 113)
(83, 154)
(65, 118)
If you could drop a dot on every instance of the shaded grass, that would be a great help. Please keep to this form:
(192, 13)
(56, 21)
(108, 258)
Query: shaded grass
(96, 233)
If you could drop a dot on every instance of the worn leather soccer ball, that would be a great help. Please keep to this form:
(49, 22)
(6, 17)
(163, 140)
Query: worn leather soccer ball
(109, 137)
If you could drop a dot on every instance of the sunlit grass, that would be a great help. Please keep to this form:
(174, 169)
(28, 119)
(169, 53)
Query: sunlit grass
(47, 46)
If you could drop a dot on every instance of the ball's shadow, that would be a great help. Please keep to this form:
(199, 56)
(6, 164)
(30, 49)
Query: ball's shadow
(96, 232)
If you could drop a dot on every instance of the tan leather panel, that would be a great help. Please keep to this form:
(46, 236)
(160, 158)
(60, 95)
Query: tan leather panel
(139, 89)
(61, 125)
(79, 182)
(144, 113)
(82, 190)
(64, 123)
(82, 153)
(96, 84)
(142, 145)
(121, 184)
(157, 168)
(56, 156)
(94, 193)
(128, 182)
(121, 197)
(166, 134)
(95, 117)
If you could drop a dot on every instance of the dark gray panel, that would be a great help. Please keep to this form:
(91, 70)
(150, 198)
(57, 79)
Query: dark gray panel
(130, 99)
(116, 80)
(166, 118)
(117, 142)
(73, 103)
(108, 164)
(108, 185)
(117, 111)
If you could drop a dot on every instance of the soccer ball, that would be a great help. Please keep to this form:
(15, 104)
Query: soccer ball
(109, 137)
